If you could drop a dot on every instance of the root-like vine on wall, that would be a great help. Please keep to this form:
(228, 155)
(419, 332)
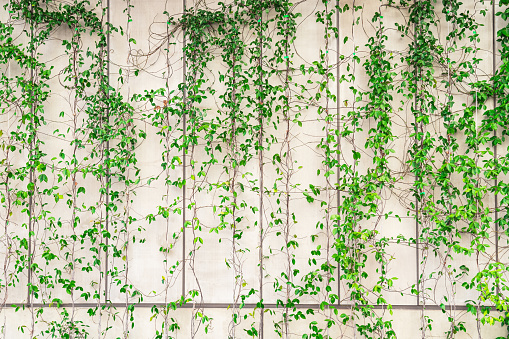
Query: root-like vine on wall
(254, 168)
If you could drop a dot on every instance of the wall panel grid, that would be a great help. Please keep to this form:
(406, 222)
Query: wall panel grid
(254, 169)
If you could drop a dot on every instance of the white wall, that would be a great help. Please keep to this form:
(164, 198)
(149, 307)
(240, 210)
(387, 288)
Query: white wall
(221, 269)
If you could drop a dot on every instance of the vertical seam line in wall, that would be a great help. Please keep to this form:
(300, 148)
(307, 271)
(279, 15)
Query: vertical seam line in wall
(495, 154)
(30, 197)
(260, 149)
(417, 266)
(184, 96)
(107, 147)
(338, 147)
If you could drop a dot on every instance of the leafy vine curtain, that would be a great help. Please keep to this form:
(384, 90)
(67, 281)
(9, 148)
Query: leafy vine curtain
(254, 168)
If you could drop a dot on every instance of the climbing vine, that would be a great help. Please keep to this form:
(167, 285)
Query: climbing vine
(254, 168)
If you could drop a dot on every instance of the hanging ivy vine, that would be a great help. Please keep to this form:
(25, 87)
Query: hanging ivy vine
(312, 173)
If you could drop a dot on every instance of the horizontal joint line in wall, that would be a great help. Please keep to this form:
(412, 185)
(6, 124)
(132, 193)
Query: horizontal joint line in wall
(226, 305)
